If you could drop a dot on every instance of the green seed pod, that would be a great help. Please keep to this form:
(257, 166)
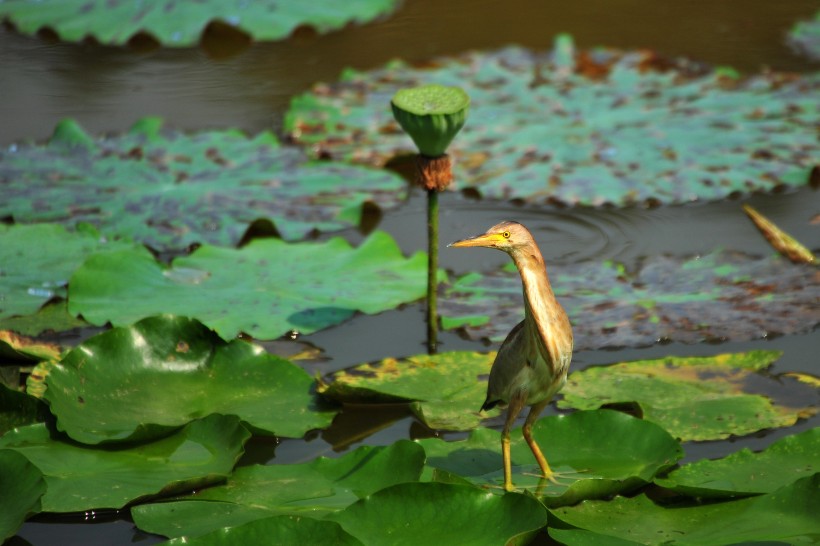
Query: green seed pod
(432, 115)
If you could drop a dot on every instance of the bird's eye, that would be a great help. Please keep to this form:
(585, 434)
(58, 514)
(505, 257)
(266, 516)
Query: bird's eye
(506, 234)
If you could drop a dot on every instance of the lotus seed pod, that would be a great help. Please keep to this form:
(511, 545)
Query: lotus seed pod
(432, 115)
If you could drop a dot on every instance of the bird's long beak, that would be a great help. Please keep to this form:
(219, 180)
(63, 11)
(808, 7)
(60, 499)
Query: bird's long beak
(485, 239)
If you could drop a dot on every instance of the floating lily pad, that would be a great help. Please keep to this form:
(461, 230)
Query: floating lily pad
(723, 295)
(82, 477)
(746, 473)
(36, 262)
(22, 485)
(437, 513)
(254, 492)
(145, 380)
(444, 390)
(805, 37)
(585, 127)
(694, 398)
(264, 289)
(275, 530)
(52, 316)
(788, 515)
(595, 453)
(169, 190)
(180, 24)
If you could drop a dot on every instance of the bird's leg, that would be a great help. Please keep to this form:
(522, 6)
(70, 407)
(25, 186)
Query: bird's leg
(535, 411)
(515, 407)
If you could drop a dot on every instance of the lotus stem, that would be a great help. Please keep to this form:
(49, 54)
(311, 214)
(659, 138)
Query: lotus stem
(432, 269)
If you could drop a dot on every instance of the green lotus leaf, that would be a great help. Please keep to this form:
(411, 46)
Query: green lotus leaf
(595, 453)
(253, 492)
(438, 513)
(445, 390)
(610, 126)
(145, 380)
(805, 37)
(264, 289)
(276, 530)
(432, 115)
(723, 295)
(178, 189)
(18, 409)
(23, 486)
(82, 477)
(181, 24)
(694, 398)
(747, 473)
(787, 515)
(36, 262)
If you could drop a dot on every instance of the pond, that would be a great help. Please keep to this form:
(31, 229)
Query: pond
(228, 83)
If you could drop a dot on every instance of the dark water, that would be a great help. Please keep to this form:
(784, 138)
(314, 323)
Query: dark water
(107, 89)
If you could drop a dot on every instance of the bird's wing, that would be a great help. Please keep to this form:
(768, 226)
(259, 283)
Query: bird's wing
(508, 363)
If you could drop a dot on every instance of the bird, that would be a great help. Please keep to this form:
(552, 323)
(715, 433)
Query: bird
(532, 363)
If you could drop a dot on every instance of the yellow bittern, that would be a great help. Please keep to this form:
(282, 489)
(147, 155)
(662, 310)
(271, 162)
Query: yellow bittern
(532, 363)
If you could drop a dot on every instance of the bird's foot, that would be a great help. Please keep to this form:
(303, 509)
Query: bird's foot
(554, 477)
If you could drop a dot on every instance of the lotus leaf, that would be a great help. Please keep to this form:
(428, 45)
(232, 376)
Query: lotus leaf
(180, 24)
(36, 262)
(596, 454)
(445, 390)
(23, 486)
(254, 492)
(805, 36)
(723, 295)
(276, 530)
(694, 398)
(264, 289)
(19, 409)
(437, 513)
(584, 127)
(145, 380)
(786, 515)
(170, 190)
(82, 477)
(747, 473)
(51, 317)
(19, 348)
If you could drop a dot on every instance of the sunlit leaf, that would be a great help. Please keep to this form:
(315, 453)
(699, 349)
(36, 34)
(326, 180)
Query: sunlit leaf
(747, 473)
(275, 530)
(804, 36)
(584, 127)
(169, 189)
(82, 477)
(595, 453)
(180, 24)
(23, 486)
(437, 513)
(445, 390)
(317, 488)
(264, 289)
(18, 348)
(694, 398)
(788, 515)
(36, 262)
(719, 296)
(145, 380)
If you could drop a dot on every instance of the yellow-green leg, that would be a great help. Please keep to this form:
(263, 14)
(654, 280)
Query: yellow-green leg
(535, 411)
(516, 405)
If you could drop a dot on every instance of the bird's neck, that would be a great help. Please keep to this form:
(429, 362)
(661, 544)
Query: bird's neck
(544, 315)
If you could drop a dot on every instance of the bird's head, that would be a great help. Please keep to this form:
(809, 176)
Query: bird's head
(507, 236)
